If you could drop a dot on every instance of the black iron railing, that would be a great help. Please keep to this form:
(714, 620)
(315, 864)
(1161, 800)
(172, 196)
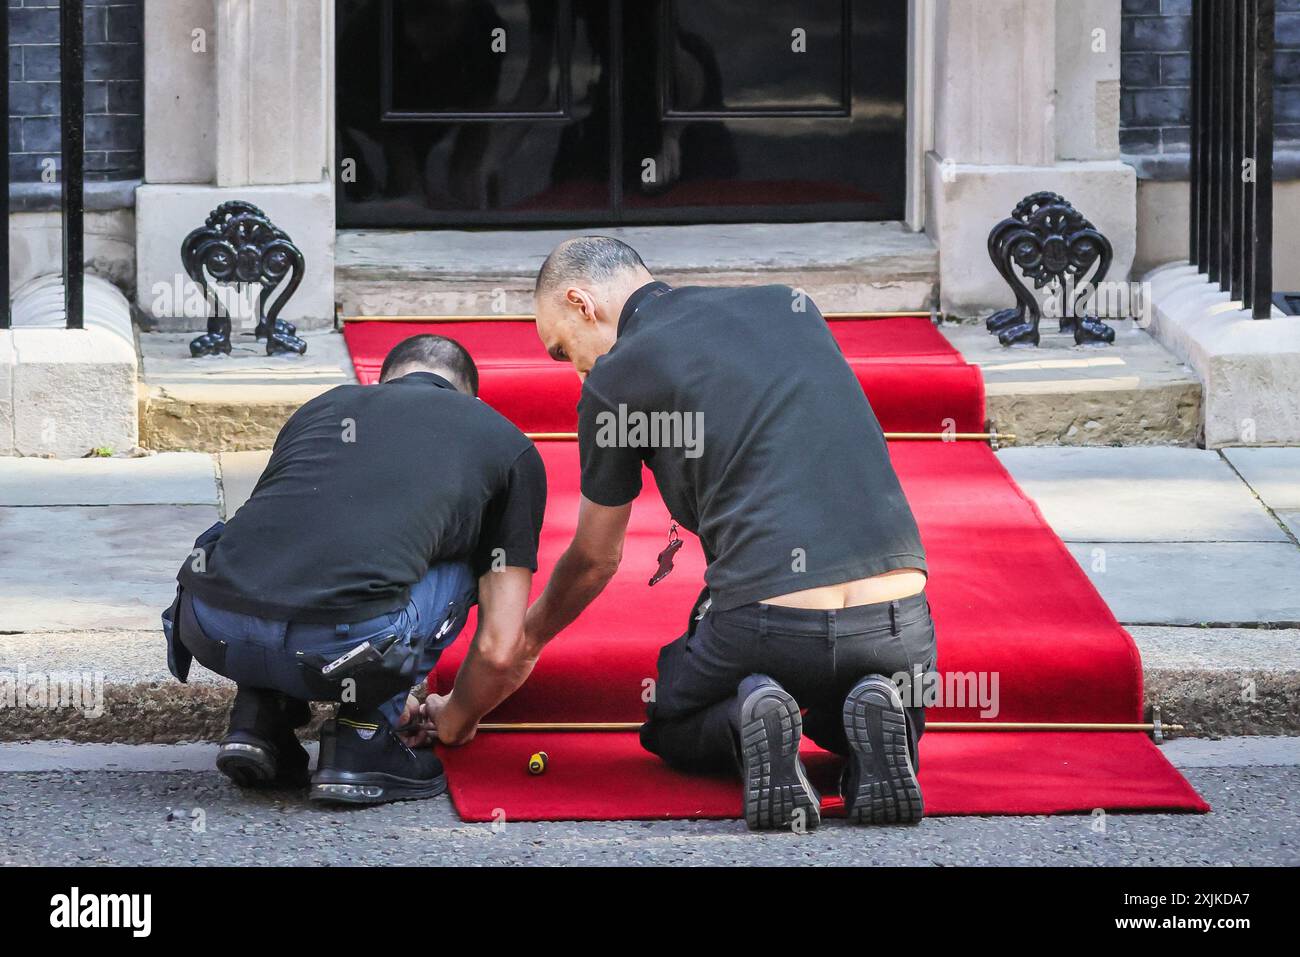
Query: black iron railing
(72, 60)
(1232, 148)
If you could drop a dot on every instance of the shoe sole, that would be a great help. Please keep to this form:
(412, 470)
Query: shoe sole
(886, 790)
(371, 787)
(777, 793)
(247, 765)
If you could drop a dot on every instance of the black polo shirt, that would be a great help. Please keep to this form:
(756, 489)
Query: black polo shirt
(759, 437)
(366, 488)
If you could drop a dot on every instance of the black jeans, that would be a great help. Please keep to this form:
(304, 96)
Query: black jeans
(818, 656)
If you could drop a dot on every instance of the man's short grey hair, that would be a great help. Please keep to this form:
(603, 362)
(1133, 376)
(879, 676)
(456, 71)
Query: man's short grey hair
(587, 259)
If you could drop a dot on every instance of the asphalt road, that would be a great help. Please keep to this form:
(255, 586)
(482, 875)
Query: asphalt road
(157, 808)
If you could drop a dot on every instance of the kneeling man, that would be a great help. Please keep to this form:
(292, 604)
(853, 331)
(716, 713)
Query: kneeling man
(383, 514)
(816, 574)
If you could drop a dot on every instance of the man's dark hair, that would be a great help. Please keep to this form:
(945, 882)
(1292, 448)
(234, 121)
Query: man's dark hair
(587, 258)
(429, 353)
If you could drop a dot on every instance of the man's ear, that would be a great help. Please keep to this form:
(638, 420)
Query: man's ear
(582, 300)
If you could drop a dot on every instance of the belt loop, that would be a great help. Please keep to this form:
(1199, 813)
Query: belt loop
(893, 618)
(832, 626)
(762, 620)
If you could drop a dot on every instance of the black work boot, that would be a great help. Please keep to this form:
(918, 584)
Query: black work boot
(777, 793)
(363, 762)
(879, 783)
(260, 749)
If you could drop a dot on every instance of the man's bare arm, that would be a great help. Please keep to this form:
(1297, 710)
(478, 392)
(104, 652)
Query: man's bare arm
(583, 570)
(499, 660)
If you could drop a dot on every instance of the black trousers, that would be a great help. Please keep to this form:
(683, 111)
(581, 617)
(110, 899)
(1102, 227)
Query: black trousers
(693, 722)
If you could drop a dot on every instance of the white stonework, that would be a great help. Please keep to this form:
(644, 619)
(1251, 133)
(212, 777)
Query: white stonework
(1249, 367)
(1025, 99)
(36, 242)
(165, 215)
(1163, 222)
(64, 392)
(239, 106)
(967, 201)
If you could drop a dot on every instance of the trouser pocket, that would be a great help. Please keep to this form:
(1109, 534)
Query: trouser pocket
(210, 652)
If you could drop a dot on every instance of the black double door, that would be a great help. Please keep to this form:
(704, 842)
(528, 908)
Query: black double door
(553, 112)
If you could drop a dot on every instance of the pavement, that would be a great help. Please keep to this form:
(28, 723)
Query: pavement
(163, 805)
(1194, 550)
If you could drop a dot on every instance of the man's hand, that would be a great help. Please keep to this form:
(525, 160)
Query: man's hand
(442, 724)
(414, 732)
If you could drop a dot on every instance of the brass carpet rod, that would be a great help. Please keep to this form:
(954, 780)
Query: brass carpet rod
(892, 436)
(523, 317)
(929, 726)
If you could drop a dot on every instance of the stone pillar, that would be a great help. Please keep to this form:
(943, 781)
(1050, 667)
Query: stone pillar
(239, 103)
(1026, 99)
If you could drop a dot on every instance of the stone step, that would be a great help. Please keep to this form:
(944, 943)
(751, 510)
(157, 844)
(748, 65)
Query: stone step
(1215, 682)
(1130, 393)
(844, 267)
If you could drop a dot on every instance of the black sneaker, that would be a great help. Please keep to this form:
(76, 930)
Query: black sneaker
(777, 792)
(364, 762)
(879, 784)
(260, 749)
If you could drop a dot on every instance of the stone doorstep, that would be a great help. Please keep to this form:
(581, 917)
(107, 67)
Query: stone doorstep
(1134, 393)
(1251, 689)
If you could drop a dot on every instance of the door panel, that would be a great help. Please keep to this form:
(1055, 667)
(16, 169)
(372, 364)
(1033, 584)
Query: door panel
(786, 111)
(477, 112)
(468, 112)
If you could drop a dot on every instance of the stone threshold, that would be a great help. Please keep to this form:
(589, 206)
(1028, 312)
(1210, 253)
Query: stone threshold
(844, 267)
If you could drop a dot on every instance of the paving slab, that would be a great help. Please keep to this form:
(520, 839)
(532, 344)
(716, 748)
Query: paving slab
(93, 568)
(1290, 517)
(176, 478)
(1133, 392)
(1141, 495)
(239, 474)
(1184, 583)
(1274, 474)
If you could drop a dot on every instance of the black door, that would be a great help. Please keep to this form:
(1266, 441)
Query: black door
(552, 112)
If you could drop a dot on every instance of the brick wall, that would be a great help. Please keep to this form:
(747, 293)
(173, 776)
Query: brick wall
(1156, 78)
(114, 88)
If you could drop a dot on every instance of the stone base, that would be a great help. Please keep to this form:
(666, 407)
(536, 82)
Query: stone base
(965, 202)
(1248, 368)
(65, 392)
(166, 214)
(235, 402)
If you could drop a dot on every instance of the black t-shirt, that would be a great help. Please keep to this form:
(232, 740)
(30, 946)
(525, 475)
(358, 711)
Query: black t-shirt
(759, 437)
(366, 488)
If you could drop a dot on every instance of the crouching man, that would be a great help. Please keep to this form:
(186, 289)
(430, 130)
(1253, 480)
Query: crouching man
(383, 514)
(816, 574)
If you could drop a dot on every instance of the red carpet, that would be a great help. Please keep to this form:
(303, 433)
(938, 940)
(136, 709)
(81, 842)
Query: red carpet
(1008, 600)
